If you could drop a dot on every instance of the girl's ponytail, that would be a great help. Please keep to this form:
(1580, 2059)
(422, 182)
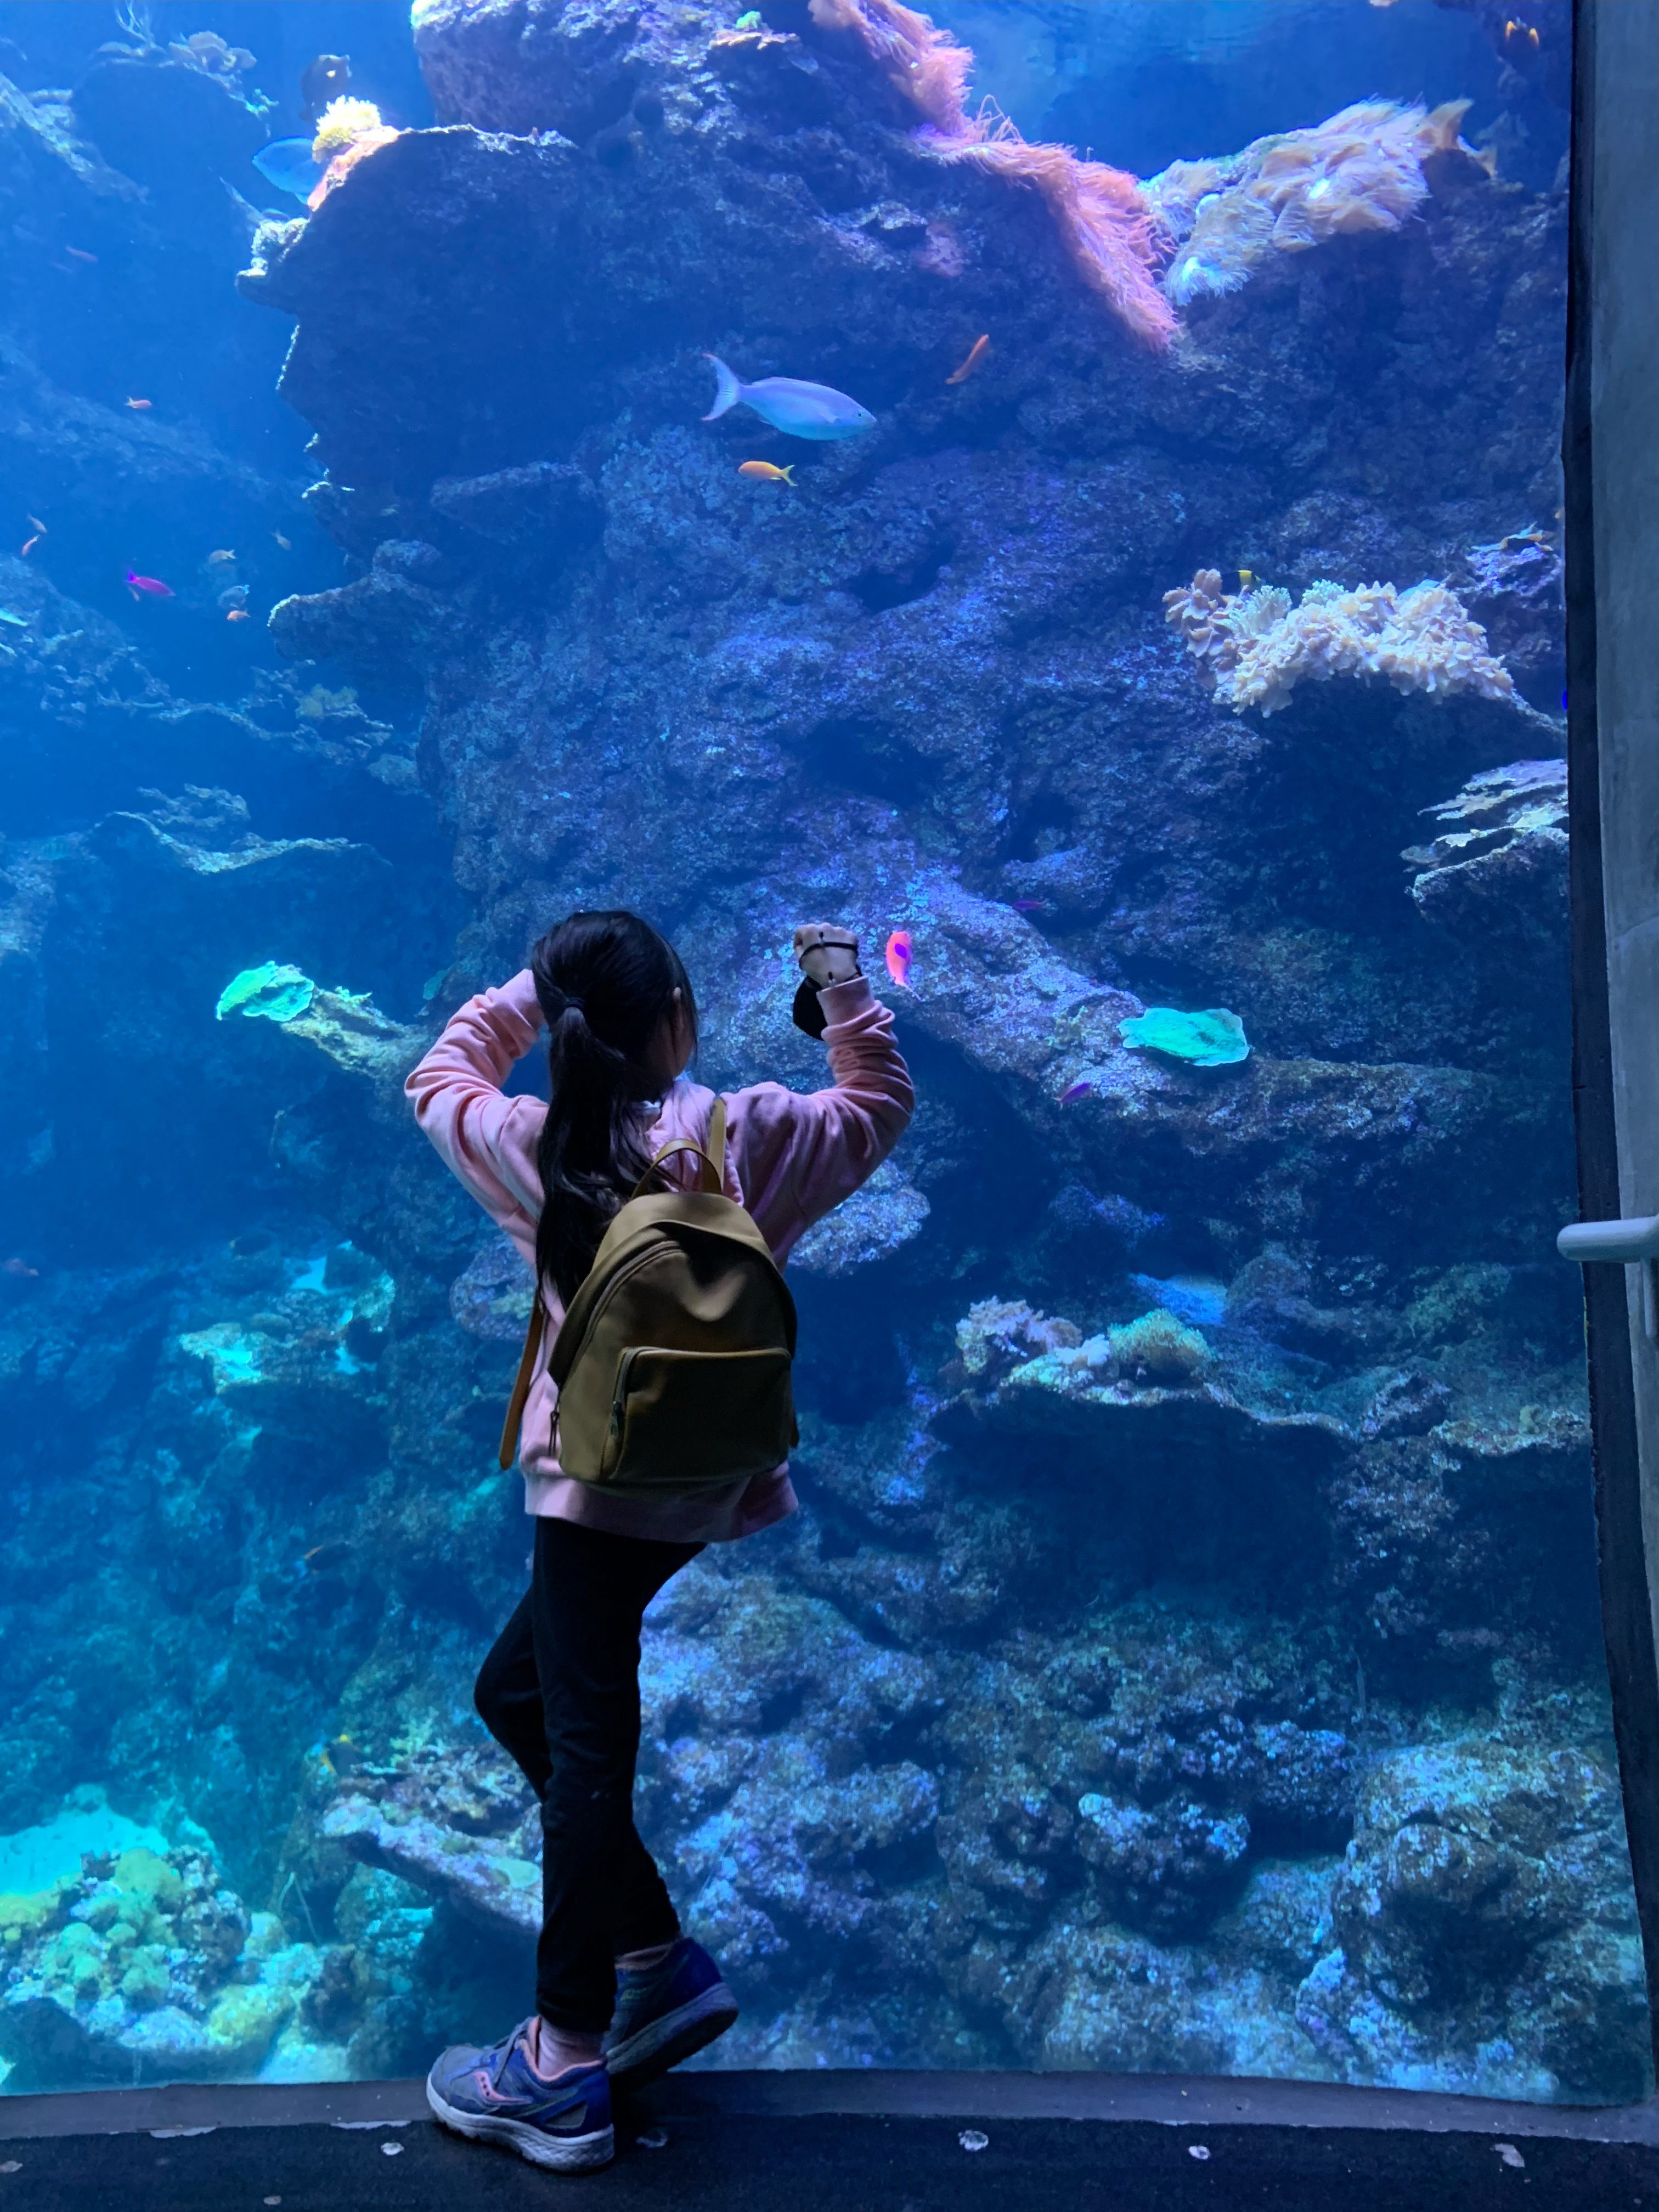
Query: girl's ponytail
(605, 983)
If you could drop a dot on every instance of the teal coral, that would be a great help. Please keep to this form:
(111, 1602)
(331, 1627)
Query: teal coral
(345, 1024)
(1214, 1038)
(276, 992)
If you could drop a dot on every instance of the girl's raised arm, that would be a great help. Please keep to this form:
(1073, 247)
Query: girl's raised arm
(487, 1139)
(798, 1154)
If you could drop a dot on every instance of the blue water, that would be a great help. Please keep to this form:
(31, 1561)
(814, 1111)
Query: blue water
(1185, 1657)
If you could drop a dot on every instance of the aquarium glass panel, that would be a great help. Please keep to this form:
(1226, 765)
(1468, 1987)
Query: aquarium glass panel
(1067, 496)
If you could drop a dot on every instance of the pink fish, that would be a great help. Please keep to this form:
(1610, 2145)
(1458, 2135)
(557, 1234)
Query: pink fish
(151, 587)
(899, 950)
(1030, 906)
(1076, 1091)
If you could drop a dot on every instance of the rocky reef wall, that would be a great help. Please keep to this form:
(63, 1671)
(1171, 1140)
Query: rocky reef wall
(1219, 1691)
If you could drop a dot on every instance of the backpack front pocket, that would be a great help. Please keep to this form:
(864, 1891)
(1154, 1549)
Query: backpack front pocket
(690, 1421)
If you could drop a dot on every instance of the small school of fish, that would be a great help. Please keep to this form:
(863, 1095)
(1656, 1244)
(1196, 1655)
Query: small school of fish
(798, 409)
(899, 953)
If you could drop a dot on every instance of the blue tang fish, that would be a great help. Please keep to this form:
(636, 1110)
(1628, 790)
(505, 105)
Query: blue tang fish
(799, 411)
(287, 163)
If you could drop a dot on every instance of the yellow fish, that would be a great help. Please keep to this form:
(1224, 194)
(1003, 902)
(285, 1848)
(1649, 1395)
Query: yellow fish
(222, 553)
(768, 473)
(1246, 578)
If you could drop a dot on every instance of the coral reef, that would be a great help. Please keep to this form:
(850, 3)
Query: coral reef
(1193, 1601)
(1362, 170)
(1463, 1953)
(135, 1963)
(1497, 866)
(1253, 648)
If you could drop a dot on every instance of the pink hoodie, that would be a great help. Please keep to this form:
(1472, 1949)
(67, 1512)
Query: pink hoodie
(790, 1156)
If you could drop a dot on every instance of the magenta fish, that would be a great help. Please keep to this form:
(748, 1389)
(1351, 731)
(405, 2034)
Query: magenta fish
(150, 587)
(1076, 1091)
(1030, 906)
(899, 951)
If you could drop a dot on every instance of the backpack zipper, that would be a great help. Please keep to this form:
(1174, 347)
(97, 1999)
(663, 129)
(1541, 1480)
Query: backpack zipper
(619, 1403)
(623, 1275)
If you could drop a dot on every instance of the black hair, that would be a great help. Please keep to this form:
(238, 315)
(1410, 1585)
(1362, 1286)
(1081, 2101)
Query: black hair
(605, 983)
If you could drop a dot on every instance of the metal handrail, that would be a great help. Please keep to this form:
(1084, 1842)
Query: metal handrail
(1634, 1242)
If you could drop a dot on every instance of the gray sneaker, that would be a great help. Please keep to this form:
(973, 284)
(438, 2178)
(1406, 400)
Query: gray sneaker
(666, 2012)
(495, 2095)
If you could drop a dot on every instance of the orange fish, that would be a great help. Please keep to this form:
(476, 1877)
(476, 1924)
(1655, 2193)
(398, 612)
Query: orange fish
(140, 406)
(75, 253)
(29, 546)
(766, 473)
(899, 950)
(286, 543)
(976, 354)
(237, 614)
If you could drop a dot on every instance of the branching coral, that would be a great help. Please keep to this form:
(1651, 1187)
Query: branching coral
(1253, 648)
(1097, 211)
(1361, 170)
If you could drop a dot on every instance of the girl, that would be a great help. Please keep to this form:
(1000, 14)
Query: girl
(621, 1994)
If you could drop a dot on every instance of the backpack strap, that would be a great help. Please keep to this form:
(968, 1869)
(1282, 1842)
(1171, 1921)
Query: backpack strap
(532, 1345)
(713, 1158)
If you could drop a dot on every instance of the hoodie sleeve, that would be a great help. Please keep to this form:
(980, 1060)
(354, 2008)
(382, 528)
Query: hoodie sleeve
(487, 1139)
(798, 1154)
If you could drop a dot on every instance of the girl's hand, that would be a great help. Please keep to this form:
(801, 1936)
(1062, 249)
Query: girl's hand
(828, 953)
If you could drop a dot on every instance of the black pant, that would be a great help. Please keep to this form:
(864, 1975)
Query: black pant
(561, 1691)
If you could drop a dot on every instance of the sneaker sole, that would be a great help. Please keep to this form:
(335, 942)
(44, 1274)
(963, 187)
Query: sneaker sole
(562, 2154)
(664, 2042)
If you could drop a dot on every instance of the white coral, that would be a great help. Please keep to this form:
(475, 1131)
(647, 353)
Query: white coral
(1254, 648)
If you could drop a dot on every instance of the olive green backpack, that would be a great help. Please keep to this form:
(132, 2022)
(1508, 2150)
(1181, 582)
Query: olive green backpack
(672, 1365)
